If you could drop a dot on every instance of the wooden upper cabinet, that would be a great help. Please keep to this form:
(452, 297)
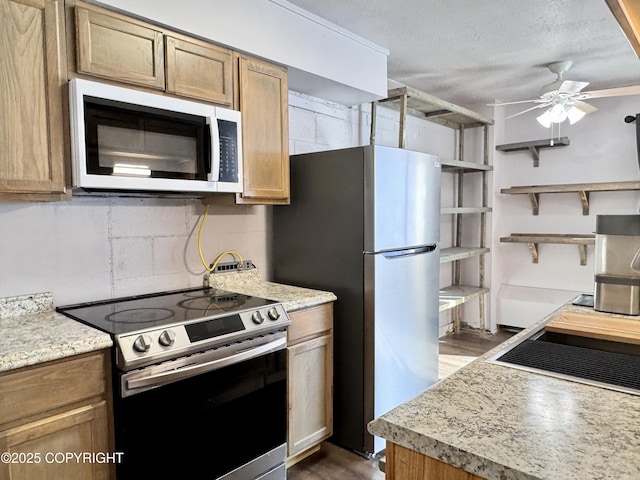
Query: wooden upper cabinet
(199, 70)
(33, 72)
(112, 46)
(263, 101)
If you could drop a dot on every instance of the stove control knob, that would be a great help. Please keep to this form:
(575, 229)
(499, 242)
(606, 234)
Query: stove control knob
(273, 313)
(257, 318)
(142, 344)
(167, 338)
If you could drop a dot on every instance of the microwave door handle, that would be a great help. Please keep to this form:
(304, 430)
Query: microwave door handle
(214, 174)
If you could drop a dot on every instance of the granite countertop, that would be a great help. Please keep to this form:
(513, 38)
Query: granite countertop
(250, 282)
(33, 332)
(503, 423)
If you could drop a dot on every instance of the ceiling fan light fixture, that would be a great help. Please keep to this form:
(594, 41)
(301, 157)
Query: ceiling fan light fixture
(574, 114)
(545, 119)
(558, 113)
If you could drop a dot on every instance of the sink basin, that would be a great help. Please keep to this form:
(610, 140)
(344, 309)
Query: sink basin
(603, 363)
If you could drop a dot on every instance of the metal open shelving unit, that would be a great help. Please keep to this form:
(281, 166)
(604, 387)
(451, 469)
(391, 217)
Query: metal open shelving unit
(409, 101)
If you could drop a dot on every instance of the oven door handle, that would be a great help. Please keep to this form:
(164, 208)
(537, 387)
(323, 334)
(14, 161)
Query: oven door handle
(197, 369)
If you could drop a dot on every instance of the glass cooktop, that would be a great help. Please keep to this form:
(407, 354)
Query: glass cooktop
(129, 314)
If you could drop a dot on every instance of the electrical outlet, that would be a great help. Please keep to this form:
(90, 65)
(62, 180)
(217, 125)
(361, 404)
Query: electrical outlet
(225, 267)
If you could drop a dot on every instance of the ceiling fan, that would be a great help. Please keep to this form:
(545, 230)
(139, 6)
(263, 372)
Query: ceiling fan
(563, 99)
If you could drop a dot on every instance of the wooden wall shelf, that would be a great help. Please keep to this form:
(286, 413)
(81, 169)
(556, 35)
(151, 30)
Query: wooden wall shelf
(452, 254)
(582, 189)
(455, 295)
(533, 239)
(457, 166)
(534, 147)
(463, 210)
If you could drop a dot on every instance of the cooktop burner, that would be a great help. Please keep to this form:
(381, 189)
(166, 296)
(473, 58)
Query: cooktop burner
(148, 329)
(129, 314)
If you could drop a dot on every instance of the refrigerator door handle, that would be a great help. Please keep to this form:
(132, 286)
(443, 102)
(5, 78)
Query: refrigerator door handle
(405, 252)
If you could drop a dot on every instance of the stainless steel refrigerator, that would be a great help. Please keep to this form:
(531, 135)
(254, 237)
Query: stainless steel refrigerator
(364, 223)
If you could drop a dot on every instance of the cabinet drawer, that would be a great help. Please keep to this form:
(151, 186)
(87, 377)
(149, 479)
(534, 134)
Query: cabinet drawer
(120, 49)
(310, 322)
(41, 388)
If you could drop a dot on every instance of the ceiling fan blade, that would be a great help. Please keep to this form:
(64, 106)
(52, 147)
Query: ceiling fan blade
(613, 92)
(570, 87)
(525, 111)
(513, 103)
(584, 107)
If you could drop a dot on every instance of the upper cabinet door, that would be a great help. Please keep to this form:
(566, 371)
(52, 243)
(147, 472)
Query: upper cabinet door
(200, 71)
(33, 72)
(118, 48)
(265, 137)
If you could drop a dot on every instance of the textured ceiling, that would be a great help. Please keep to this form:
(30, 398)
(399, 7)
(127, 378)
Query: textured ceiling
(472, 52)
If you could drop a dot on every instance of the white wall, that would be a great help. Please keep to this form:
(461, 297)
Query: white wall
(602, 149)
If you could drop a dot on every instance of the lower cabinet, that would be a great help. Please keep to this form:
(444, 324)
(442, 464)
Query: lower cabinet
(54, 421)
(405, 464)
(310, 390)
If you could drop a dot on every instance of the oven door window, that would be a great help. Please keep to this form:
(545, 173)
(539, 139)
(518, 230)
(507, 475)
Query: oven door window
(205, 426)
(131, 140)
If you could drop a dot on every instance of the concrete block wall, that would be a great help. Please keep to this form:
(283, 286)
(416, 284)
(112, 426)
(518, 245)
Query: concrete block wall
(92, 248)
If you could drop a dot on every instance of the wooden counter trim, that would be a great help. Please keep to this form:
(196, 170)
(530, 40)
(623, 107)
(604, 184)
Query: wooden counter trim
(405, 464)
(603, 327)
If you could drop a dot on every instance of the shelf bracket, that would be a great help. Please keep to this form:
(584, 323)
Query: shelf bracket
(534, 147)
(533, 248)
(535, 153)
(403, 120)
(584, 198)
(535, 202)
(582, 250)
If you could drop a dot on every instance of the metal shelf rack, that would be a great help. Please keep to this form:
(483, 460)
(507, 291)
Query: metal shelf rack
(409, 101)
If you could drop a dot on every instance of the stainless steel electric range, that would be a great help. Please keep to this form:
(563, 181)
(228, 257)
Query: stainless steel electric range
(199, 383)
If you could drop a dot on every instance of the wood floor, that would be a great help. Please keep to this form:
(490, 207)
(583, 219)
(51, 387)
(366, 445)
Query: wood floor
(335, 463)
(457, 350)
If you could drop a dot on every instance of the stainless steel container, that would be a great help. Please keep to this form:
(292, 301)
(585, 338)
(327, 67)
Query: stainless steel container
(617, 274)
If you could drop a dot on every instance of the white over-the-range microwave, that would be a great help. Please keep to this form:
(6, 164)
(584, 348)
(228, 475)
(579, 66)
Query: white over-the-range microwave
(125, 140)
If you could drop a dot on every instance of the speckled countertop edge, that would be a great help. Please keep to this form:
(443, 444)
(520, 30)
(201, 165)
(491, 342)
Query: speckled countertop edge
(33, 333)
(25, 304)
(503, 423)
(250, 282)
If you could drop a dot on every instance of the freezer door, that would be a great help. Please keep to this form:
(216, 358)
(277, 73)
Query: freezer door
(402, 198)
(404, 315)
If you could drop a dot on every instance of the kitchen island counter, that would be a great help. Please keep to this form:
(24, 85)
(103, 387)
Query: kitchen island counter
(499, 422)
(250, 282)
(32, 332)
